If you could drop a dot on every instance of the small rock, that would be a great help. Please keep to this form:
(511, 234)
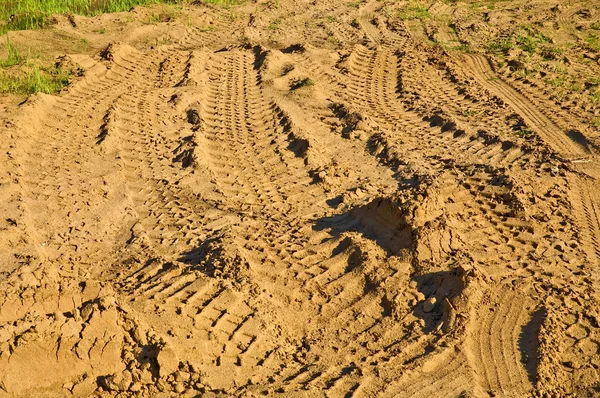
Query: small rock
(360, 192)
(28, 280)
(139, 336)
(429, 304)
(6, 335)
(572, 364)
(362, 125)
(161, 385)
(91, 290)
(107, 302)
(87, 311)
(577, 331)
(136, 387)
(167, 362)
(179, 388)
(181, 376)
(85, 388)
(465, 269)
(118, 381)
(420, 296)
(201, 387)
(146, 377)
(59, 317)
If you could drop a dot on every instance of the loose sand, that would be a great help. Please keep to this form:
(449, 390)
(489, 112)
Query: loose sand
(304, 199)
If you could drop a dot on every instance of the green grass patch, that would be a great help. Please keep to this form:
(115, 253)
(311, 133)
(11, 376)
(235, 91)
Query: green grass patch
(414, 10)
(489, 5)
(555, 81)
(552, 53)
(529, 40)
(274, 25)
(501, 45)
(36, 14)
(13, 57)
(596, 122)
(576, 87)
(355, 4)
(225, 3)
(333, 40)
(306, 82)
(154, 19)
(593, 80)
(462, 47)
(527, 43)
(34, 80)
(593, 42)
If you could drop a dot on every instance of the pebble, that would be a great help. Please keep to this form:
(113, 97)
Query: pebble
(107, 302)
(429, 304)
(179, 388)
(167, 362)
(577, 332)
(87, 311)
(136, 387)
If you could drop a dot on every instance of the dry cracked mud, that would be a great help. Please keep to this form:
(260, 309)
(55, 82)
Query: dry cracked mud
(306, 198)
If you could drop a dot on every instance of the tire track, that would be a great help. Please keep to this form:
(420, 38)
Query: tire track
(376, 29)
(371, 89)
(445, 32)
(372, 83)
(586, 206)
(447, 375)
(375, 78)
(288, 240)
(494, 349)
(244, 131)
(549, 131)
(58, 187)
(477, 131)
(191, 253)
(238, 124)
(167, 212)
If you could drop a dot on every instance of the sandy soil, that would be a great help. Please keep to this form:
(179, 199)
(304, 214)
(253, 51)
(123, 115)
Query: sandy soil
(302, 198)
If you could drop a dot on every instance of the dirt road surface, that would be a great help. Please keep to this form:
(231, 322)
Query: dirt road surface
(299, 199)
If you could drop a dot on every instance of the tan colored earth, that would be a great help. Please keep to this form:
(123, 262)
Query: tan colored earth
(306, 199)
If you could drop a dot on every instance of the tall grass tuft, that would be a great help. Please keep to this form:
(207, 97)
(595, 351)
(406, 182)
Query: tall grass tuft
(35, 14)
(34, 80)
(14, 56)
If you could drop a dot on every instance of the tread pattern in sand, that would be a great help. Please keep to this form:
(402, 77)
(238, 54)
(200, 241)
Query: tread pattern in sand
(297, 201)
(586, 203)
(498, 351)
(556, 137)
